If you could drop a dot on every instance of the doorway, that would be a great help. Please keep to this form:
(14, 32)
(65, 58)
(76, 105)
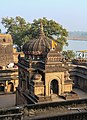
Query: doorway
(2, 88)
(10, 87)
(54, 87)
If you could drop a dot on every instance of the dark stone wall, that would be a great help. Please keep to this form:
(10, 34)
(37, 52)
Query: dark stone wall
(20, 113)
(20, 99)
(14, 113)
(79, 77)
(75, 116)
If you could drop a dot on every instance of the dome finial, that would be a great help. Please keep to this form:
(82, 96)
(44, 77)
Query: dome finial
(41, 28)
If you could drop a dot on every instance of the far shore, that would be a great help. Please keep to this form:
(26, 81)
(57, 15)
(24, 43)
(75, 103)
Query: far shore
(82, 39)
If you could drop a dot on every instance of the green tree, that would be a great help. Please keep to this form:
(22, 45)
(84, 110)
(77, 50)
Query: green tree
(17, 27)
(69, 54)
(22, 31)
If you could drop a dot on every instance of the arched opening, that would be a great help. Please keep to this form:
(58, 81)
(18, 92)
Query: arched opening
(2, 87)
(54, 87)
(10, 87)
(1, 67)
(4, 40)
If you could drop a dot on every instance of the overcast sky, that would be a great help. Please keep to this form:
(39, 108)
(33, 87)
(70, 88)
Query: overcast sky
(72, 14)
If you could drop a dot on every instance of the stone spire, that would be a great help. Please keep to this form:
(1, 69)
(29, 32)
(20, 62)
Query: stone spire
(41, 29)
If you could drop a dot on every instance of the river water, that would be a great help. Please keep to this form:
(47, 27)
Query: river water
(76, 45)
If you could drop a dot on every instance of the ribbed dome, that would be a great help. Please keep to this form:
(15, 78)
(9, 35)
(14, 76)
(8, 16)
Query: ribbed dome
(38, 46)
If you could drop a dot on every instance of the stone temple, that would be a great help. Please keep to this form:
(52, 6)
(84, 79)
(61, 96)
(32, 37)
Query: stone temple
(41, 71)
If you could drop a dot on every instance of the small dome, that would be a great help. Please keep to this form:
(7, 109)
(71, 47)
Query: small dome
(42, 45)
(37, 46)
(37, 76)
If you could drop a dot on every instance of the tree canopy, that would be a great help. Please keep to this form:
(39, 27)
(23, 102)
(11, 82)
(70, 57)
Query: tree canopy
(22, 31)
(69, 54)
(17, 27)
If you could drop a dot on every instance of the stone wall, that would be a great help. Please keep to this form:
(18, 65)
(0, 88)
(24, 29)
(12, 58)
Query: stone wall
(6, 54)
(14, 113)
(6, 49)
(8, 80)
(15, 55)
(79, 76)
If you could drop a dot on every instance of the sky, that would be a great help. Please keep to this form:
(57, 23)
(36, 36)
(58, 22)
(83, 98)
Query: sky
(71, 14)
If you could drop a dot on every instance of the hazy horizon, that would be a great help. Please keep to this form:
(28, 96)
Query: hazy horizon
(71, 14)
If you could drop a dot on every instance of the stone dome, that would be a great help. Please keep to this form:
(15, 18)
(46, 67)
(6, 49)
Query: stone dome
(42, 45)
(37, 46)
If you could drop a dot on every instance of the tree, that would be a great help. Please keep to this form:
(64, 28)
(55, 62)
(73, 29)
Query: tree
(17, 27)
(69, 55)
(22, 31)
